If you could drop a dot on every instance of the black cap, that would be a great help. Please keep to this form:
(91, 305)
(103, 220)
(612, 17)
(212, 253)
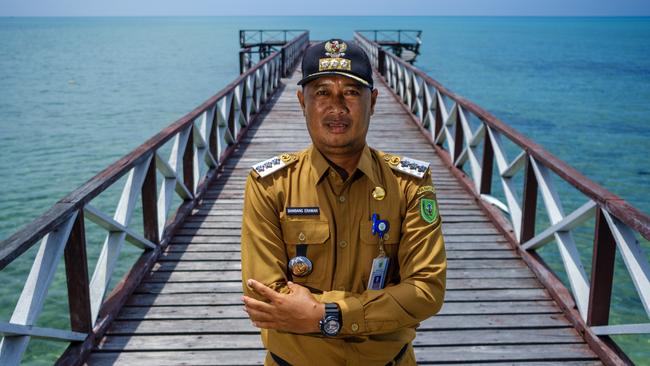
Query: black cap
(336, 57)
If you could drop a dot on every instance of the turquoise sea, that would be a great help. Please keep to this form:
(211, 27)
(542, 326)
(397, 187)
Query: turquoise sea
(78, 93)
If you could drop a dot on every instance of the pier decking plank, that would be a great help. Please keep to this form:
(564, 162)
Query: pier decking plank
(188, 310)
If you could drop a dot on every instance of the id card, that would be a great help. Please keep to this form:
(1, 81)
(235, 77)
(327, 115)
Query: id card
(378, 273)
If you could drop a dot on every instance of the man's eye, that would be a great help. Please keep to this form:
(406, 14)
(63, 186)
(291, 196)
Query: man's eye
(352, 92)
(321, 92)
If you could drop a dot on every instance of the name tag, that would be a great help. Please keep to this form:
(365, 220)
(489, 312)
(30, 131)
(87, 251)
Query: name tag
(378, 273)
(302, 211)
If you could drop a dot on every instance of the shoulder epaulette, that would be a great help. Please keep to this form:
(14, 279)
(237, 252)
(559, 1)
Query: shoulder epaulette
(412, 167)
(272, 165)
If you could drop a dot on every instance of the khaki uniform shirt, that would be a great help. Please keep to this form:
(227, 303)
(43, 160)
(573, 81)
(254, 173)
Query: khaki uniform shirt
(376, 324)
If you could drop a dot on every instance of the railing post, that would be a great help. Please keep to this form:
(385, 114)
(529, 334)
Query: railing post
(529, 205)
(437, 126)
(487, 164)
(231, 111)
(458, 136)
(76, 270)
(212, 134)
(602, 272)
(381, 61)
(188, 162)
(149, 204)
(283, 62)
(242, 60)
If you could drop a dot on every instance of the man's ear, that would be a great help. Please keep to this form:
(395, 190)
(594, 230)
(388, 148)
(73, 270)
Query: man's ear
(373, 100)
(301, 100)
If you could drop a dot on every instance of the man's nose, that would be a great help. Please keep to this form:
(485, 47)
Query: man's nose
(338, 103)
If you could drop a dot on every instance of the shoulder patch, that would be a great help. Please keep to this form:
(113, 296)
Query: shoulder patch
(272, 165)
(410, 166)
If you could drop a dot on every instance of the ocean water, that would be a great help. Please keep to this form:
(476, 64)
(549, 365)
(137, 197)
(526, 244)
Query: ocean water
(78, 93)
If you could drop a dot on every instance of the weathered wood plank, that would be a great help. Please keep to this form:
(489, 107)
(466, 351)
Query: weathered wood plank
(224, 265)
(227, 265)
(180, 276)
(185, 239)
(185, 299)
(244, 326)
(423, 339)
(219, 247)
(179, 357)
(235, 247)
(185, 342)
(212, 276)
(236, 311)
(236, 286)
(221, 255)
(510, 353)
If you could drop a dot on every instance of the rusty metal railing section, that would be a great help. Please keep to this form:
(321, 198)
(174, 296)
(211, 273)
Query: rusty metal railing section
(404, 43)
(258, 44)
(200, 142)
(444, 117)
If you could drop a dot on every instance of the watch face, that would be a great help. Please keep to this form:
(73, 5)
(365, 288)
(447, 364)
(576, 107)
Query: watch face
(331, 327)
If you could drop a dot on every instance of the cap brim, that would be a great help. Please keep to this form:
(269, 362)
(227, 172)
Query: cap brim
(322, 73)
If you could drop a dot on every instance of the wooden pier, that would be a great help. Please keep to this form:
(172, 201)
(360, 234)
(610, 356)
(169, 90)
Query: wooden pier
(180, 303)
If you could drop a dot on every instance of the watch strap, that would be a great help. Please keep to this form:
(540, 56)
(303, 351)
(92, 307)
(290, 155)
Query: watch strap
(332, 312)
(332, 309)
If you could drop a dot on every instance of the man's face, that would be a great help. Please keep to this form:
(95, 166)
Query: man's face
(337, 110)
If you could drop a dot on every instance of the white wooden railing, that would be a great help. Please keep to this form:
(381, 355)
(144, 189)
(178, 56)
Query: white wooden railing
(200, 142)
(471, 149)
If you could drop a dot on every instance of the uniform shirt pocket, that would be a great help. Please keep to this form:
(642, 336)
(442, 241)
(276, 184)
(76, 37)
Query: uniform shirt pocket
(314, 234)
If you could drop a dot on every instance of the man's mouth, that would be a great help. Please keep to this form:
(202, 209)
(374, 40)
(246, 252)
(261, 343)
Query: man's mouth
(337, 126)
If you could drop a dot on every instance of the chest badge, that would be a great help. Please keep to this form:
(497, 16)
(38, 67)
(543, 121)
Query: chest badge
(300, 266)
(378, 193)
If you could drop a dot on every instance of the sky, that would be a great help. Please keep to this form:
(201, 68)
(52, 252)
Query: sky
(327, 7)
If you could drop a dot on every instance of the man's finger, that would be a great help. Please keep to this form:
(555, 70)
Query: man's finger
(257, 304)
(258, 316)
(266, 325)
(262, 289)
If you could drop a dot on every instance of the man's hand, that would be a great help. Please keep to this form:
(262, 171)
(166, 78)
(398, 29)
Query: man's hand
(296, 312)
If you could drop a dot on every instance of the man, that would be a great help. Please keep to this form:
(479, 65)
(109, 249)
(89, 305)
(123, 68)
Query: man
(342, 249)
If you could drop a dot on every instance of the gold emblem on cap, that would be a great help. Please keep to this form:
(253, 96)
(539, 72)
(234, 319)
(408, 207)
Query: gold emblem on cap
(335, 48)
(378, 193)
(394, 160)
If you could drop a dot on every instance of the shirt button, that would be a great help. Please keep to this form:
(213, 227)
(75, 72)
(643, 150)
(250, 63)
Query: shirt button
(354, 327)
(386, 236)
(301, 236)
(341, 199)
(343, 243)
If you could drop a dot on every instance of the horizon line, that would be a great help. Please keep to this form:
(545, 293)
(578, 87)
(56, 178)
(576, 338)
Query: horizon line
(331, 15)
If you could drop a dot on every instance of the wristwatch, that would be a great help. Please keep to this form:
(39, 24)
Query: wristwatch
(330, 325)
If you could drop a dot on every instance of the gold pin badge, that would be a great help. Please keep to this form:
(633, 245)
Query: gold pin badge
(378, 193)
(285, 157)
(394, 160)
